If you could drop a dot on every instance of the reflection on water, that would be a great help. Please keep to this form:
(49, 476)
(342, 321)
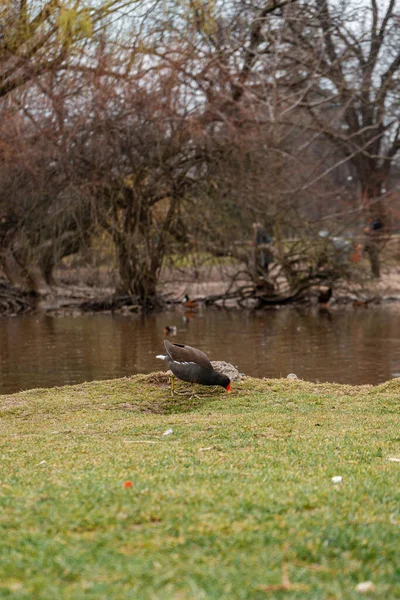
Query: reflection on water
(348, 346)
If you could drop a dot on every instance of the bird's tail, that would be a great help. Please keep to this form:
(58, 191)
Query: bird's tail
(162, 356)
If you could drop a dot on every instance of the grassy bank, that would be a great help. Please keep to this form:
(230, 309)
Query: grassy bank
(237, 502)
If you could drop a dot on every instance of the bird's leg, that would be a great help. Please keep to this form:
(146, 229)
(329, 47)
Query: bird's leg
(172, 385)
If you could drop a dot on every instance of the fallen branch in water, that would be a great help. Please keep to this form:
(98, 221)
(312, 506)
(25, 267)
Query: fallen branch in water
(14, 301)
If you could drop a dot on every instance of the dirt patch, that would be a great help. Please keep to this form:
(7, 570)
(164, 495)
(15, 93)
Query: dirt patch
(140, 407)
(158, 379)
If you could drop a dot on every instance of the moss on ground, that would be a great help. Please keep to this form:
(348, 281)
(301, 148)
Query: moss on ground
(236, 503)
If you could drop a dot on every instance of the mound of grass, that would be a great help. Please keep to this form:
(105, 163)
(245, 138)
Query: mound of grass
(236, 503)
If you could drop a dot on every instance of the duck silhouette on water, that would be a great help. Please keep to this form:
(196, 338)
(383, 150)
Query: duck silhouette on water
(323, 297)
(170, 330)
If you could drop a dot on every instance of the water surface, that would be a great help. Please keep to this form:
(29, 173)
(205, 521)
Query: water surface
(347, 345)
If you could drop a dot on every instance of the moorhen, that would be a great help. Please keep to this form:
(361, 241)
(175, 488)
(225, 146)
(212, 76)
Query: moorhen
(192, 365)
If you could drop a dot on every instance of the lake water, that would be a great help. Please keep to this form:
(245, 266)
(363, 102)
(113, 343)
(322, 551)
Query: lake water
(347, 345)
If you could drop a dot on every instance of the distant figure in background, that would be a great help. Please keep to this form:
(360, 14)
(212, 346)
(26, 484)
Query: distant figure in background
(262, 253)
(372, 245)
(375, 224)
(356, 253)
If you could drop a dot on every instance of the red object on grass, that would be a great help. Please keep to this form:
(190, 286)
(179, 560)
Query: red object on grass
(128, 484)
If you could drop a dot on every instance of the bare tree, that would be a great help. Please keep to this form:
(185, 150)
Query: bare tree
(46, 51)
(44, 217)
(147, 142)
(341, 63)
(323, 72)
(181, 132)
(39, 37)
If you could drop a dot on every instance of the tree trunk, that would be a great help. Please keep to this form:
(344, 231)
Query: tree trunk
(47, 265)
(140, 245)
(374, 259)
(16, 263)
(137, 276)
(377, 226)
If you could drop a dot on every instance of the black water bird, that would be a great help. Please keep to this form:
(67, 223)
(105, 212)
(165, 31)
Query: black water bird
(192, 365)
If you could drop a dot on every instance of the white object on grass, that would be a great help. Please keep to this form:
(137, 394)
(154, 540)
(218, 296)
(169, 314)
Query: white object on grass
(337, 479)
(364, 587)
(168, 432)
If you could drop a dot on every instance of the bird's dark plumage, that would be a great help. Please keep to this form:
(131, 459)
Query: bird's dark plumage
(192, 365)
(325, 296)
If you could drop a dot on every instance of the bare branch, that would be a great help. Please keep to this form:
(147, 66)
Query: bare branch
(255, 39)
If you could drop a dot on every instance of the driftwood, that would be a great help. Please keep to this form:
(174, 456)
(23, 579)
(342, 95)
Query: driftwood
(14, 301)
(247, 293)
(111, 303)
(123, 303)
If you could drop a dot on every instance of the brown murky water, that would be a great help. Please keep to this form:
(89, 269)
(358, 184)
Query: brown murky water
(347, 346)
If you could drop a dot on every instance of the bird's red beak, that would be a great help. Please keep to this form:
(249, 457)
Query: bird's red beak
(228, 388)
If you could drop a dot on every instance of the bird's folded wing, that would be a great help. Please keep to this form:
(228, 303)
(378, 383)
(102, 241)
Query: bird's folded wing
(181, 353)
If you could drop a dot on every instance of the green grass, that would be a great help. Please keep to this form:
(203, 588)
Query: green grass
(236, 503)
